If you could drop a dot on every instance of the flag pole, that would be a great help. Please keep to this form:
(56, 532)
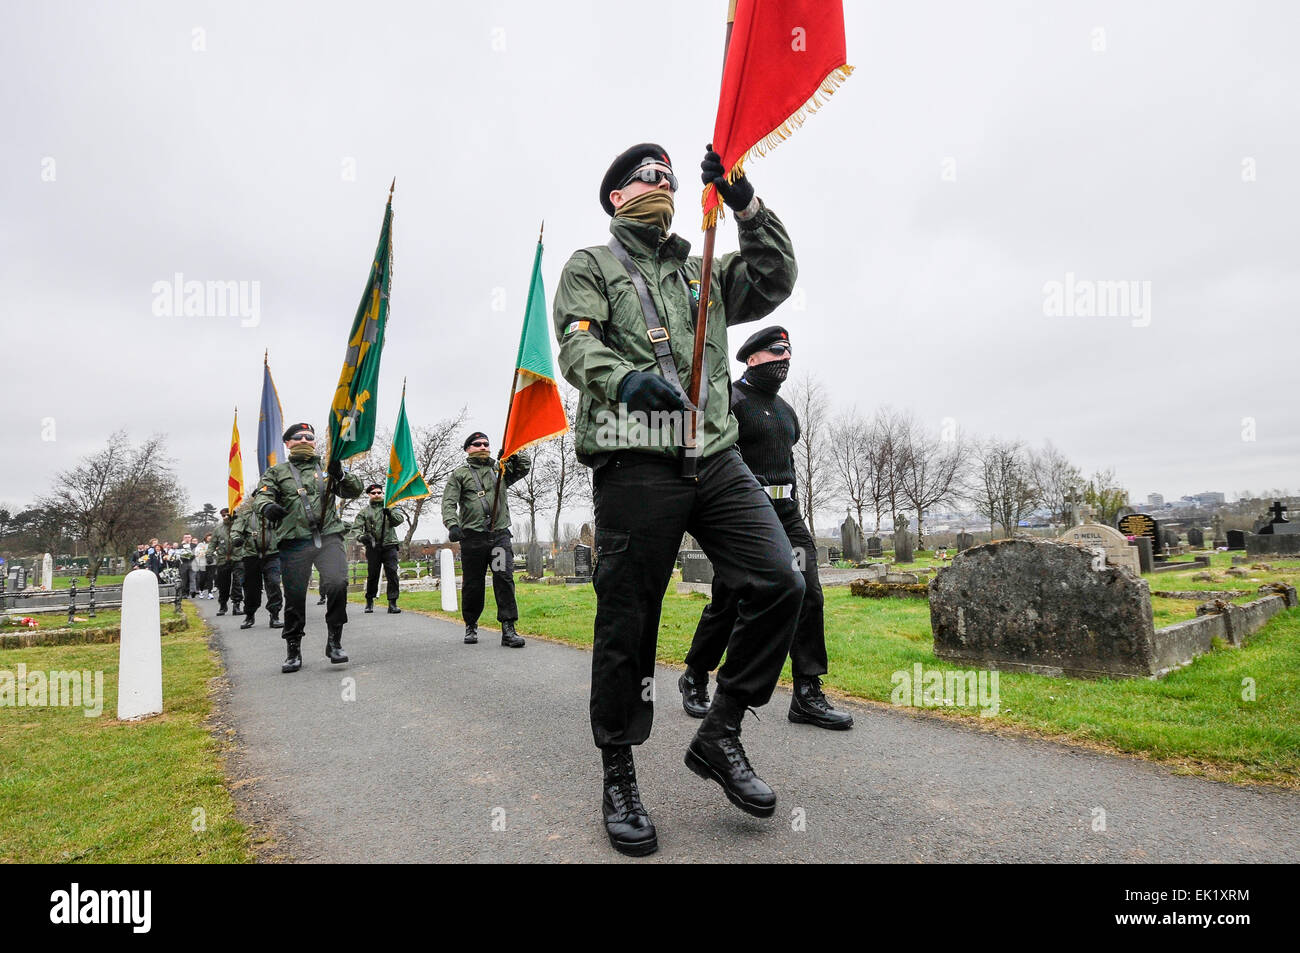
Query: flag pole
(514, 382)
(690, 460)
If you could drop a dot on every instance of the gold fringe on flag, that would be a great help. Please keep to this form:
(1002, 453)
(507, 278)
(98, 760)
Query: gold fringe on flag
(778, 135)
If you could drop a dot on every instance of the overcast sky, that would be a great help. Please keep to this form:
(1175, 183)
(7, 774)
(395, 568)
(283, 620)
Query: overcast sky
(981, 151)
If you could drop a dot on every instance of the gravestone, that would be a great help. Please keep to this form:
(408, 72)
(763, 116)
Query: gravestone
(1111, 542)
(1146, 555)
(534, 560)
(21, 582)
(582, 562)
(965, 540)
(1042, 606)
(1139, 524)
(874, 548)
(696, 566)
(851, 539)
(833, 555)
(1195, 538)
(585, 535)
(823, 555)
(1278, 525)
(564, 563)
(47, 572)
(1236, 539)
(1219, 539)
(1169, 537)
(902, 541)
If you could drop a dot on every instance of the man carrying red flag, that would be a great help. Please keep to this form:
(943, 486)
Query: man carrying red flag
(624, 314)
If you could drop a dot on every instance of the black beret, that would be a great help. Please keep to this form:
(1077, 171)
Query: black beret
(374, 486)
(294, 429)
(759, 341)
(474, 436)
(622, 167)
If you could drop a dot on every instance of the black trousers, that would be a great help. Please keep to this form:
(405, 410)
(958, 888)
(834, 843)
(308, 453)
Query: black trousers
(262, 572)
(205, 579)
(230, 582)
(480, 552)
(642, 508)
(297, 556)
(185, 578)
(808, 650)
(385, 556)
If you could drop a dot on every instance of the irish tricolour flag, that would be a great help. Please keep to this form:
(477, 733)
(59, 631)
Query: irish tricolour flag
(535, 413)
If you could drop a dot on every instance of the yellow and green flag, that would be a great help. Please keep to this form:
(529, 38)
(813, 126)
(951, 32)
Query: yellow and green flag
(405, 482)
(352, 412)
(235, 481)
(536, 413)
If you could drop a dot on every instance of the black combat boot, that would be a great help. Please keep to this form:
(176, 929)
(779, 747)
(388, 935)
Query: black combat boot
(717, 755)
(509, 638)
(322, 600)
(221, 608)
(247, 623)
(294, 660)
(471, 633)
(237, 608)
(626, 822)
(276, 623)
(392, 608)
(695, 692)
(808, 706)
(334, 648)
(370, 605)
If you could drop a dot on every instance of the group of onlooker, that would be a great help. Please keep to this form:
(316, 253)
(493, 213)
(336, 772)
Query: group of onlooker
(188, 559)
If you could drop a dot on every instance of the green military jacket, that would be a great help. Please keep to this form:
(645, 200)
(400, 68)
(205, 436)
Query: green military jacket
(253, 535)
(467, 497)
(602, 332)
(378, 523)
(222, 548)
(278, 486)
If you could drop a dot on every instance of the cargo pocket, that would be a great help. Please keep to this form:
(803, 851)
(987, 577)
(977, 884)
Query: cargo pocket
(609, 544)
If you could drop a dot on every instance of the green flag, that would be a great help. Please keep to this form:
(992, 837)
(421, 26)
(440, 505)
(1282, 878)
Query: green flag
(352, 413)
(405, 482)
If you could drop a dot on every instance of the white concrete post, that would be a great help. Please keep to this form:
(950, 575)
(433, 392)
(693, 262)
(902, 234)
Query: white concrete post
(139, 670)
(448, 583)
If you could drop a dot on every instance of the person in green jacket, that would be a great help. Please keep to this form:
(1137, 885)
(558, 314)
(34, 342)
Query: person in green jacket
(624, 315)
(254, 538)
(298, 499)
(467, 501)
(229, 570)
(376, 527)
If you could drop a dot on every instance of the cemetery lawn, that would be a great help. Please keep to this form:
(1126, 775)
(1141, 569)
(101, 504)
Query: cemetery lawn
(65, 582)
(92, 789)
(104, 619)
(1194, 719)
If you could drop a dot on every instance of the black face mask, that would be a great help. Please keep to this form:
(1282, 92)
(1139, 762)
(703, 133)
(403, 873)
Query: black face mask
(769, 376)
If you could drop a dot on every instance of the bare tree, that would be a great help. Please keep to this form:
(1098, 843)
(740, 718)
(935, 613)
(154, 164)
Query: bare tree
(1104, 494)
(929, 469)
(812, 463)
(852, 443)
(118, 496)
(1002, 486)
(1058, 479)
(535, 490)
(438, 452)
(567, 481)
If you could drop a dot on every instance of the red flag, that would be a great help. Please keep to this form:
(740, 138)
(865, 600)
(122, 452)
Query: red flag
(784, 59)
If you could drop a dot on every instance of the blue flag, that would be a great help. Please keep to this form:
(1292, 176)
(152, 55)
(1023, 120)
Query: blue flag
(270, 425)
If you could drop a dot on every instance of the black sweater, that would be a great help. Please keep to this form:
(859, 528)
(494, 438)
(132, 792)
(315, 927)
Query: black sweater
(769, 429)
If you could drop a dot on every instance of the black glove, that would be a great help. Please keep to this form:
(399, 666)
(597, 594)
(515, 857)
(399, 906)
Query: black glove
(648, 392)
(274, 512)
(336, 469)
(368, 541)
(388, 516)
(738, 194)
(455, 534)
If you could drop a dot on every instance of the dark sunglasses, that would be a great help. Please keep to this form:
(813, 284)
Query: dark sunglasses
(480, 443)
(778, 349)
(651, 175)
(304, 436)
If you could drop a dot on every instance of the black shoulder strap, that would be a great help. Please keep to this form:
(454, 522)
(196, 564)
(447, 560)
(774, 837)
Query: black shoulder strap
(654, 327)
(312, 522)
(482, 496)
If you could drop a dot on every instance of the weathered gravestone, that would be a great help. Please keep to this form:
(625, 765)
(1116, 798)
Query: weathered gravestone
(1139, 524)
(534, 560)
(47, 572)
(1113, 545)
(823, 555)
(1236, 539)
(582, 562)
(1045, 607)
(1170, 538)
(875, 548)
(1278, 525)
(696, 566)
(1195, 538)
(21, 582)
(1219, 539)
(851, 539)
(585, 536)
(1146, 556)
(564, 563)
(902, 541)
(965, 540)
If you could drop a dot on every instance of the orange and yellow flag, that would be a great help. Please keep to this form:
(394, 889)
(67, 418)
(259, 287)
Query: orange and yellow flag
(235, 482)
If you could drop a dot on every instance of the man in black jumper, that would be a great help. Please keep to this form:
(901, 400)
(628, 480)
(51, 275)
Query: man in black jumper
(769, 429)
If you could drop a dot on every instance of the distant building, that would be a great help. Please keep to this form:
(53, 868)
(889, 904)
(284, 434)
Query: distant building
(1209, 499)
(1155, 499)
